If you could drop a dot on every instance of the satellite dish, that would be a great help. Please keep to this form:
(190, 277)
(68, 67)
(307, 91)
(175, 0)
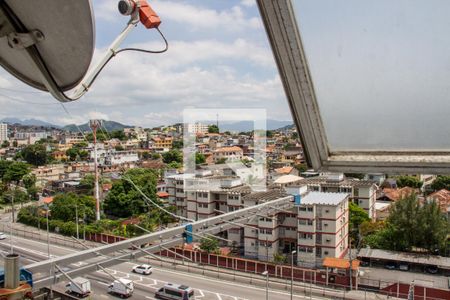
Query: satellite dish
(47, 36)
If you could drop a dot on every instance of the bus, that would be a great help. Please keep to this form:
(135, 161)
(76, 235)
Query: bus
(175, 292)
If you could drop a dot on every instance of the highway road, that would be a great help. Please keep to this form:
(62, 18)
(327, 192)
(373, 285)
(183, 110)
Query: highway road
(145, 286)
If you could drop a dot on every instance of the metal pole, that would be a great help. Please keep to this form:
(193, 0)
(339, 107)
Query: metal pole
(76, 218)
(94, 124)
(350, 255)
(48, 237)
(84, 225)
(266, 273)
(12, 206)
(310, 285)
(292, 273)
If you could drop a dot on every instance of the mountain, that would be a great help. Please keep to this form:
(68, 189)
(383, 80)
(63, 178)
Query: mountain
(28, 122)
(109, 125)
(287, 127)
(248, 125)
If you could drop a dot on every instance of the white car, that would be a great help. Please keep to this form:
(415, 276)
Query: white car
(143, 269)
(2, 236)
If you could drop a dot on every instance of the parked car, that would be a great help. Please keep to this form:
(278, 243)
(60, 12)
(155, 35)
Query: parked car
(403, 267)
(431, 269)
(122, 287)
(2, 236)
(80, 287)
(143, 269)
(390, 265)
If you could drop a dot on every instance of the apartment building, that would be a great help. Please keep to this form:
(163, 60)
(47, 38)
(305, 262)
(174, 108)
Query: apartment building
(322, 227)
(228, 153)
(177, 195)
(362, 192)
(317, 228)
(214, 195)
(161, 142)
(196, 128)
(3, 132)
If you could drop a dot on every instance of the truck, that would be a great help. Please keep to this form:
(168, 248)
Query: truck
(122, 287)
(79, 286)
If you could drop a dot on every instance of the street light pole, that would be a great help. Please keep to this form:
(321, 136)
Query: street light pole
(266, 273)
(48, 237)
(76, 218)
(292, 273)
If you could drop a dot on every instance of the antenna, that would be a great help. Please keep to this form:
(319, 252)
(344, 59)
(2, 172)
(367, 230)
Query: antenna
(94, 124)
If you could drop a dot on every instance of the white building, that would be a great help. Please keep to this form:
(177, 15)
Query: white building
(322, 227)
(3, 132)
(196, 128)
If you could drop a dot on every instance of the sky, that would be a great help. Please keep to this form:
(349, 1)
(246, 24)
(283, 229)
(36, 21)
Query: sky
(380, 70)
(218, 57)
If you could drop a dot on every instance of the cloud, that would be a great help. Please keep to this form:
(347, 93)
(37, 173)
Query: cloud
(248, 3)
(191, 16)
(197, 72)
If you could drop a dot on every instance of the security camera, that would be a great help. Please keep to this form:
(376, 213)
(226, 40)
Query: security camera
(126, 7)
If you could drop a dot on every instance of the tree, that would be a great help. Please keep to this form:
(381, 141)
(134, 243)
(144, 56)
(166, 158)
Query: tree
(433, 228)
(5, 144)
(354, 175)
(4, 165)
(301, 168)
(177, 144)
(119, 148)
(156, 156)
(410, 181)
(83, 154)
(118, 134)
(29, 180)
(213, 129)
(357, 216)
(221, 161)
(441, 182)
(124, 200)
(64, 207)
(269, 134)
(35, 154)
(173, 156)
(209, 245)
(72, 153)
(199, 158)
(403, 227)
(16, 171)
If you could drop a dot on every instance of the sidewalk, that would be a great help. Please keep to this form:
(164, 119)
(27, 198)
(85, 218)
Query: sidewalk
(306, 289)
(21, 230)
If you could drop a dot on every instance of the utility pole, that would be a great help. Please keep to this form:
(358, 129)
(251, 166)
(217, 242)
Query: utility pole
(48, 236)
(292, 272)
(12, 206)
(76, 219)
(94, 124)
(350, 255)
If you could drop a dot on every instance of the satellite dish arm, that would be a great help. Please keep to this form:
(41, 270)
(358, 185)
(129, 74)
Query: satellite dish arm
(92, 74)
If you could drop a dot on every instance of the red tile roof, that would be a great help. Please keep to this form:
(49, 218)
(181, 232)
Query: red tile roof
(47, 200)
(162, 194)
(340, 263)
(442, 197)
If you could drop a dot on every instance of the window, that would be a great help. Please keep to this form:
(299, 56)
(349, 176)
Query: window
(305, 222)
(331, 134)
(306, 236)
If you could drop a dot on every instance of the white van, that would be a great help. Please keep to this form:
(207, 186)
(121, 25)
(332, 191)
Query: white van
(175, 292)
(122, 287)
(80, 287)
